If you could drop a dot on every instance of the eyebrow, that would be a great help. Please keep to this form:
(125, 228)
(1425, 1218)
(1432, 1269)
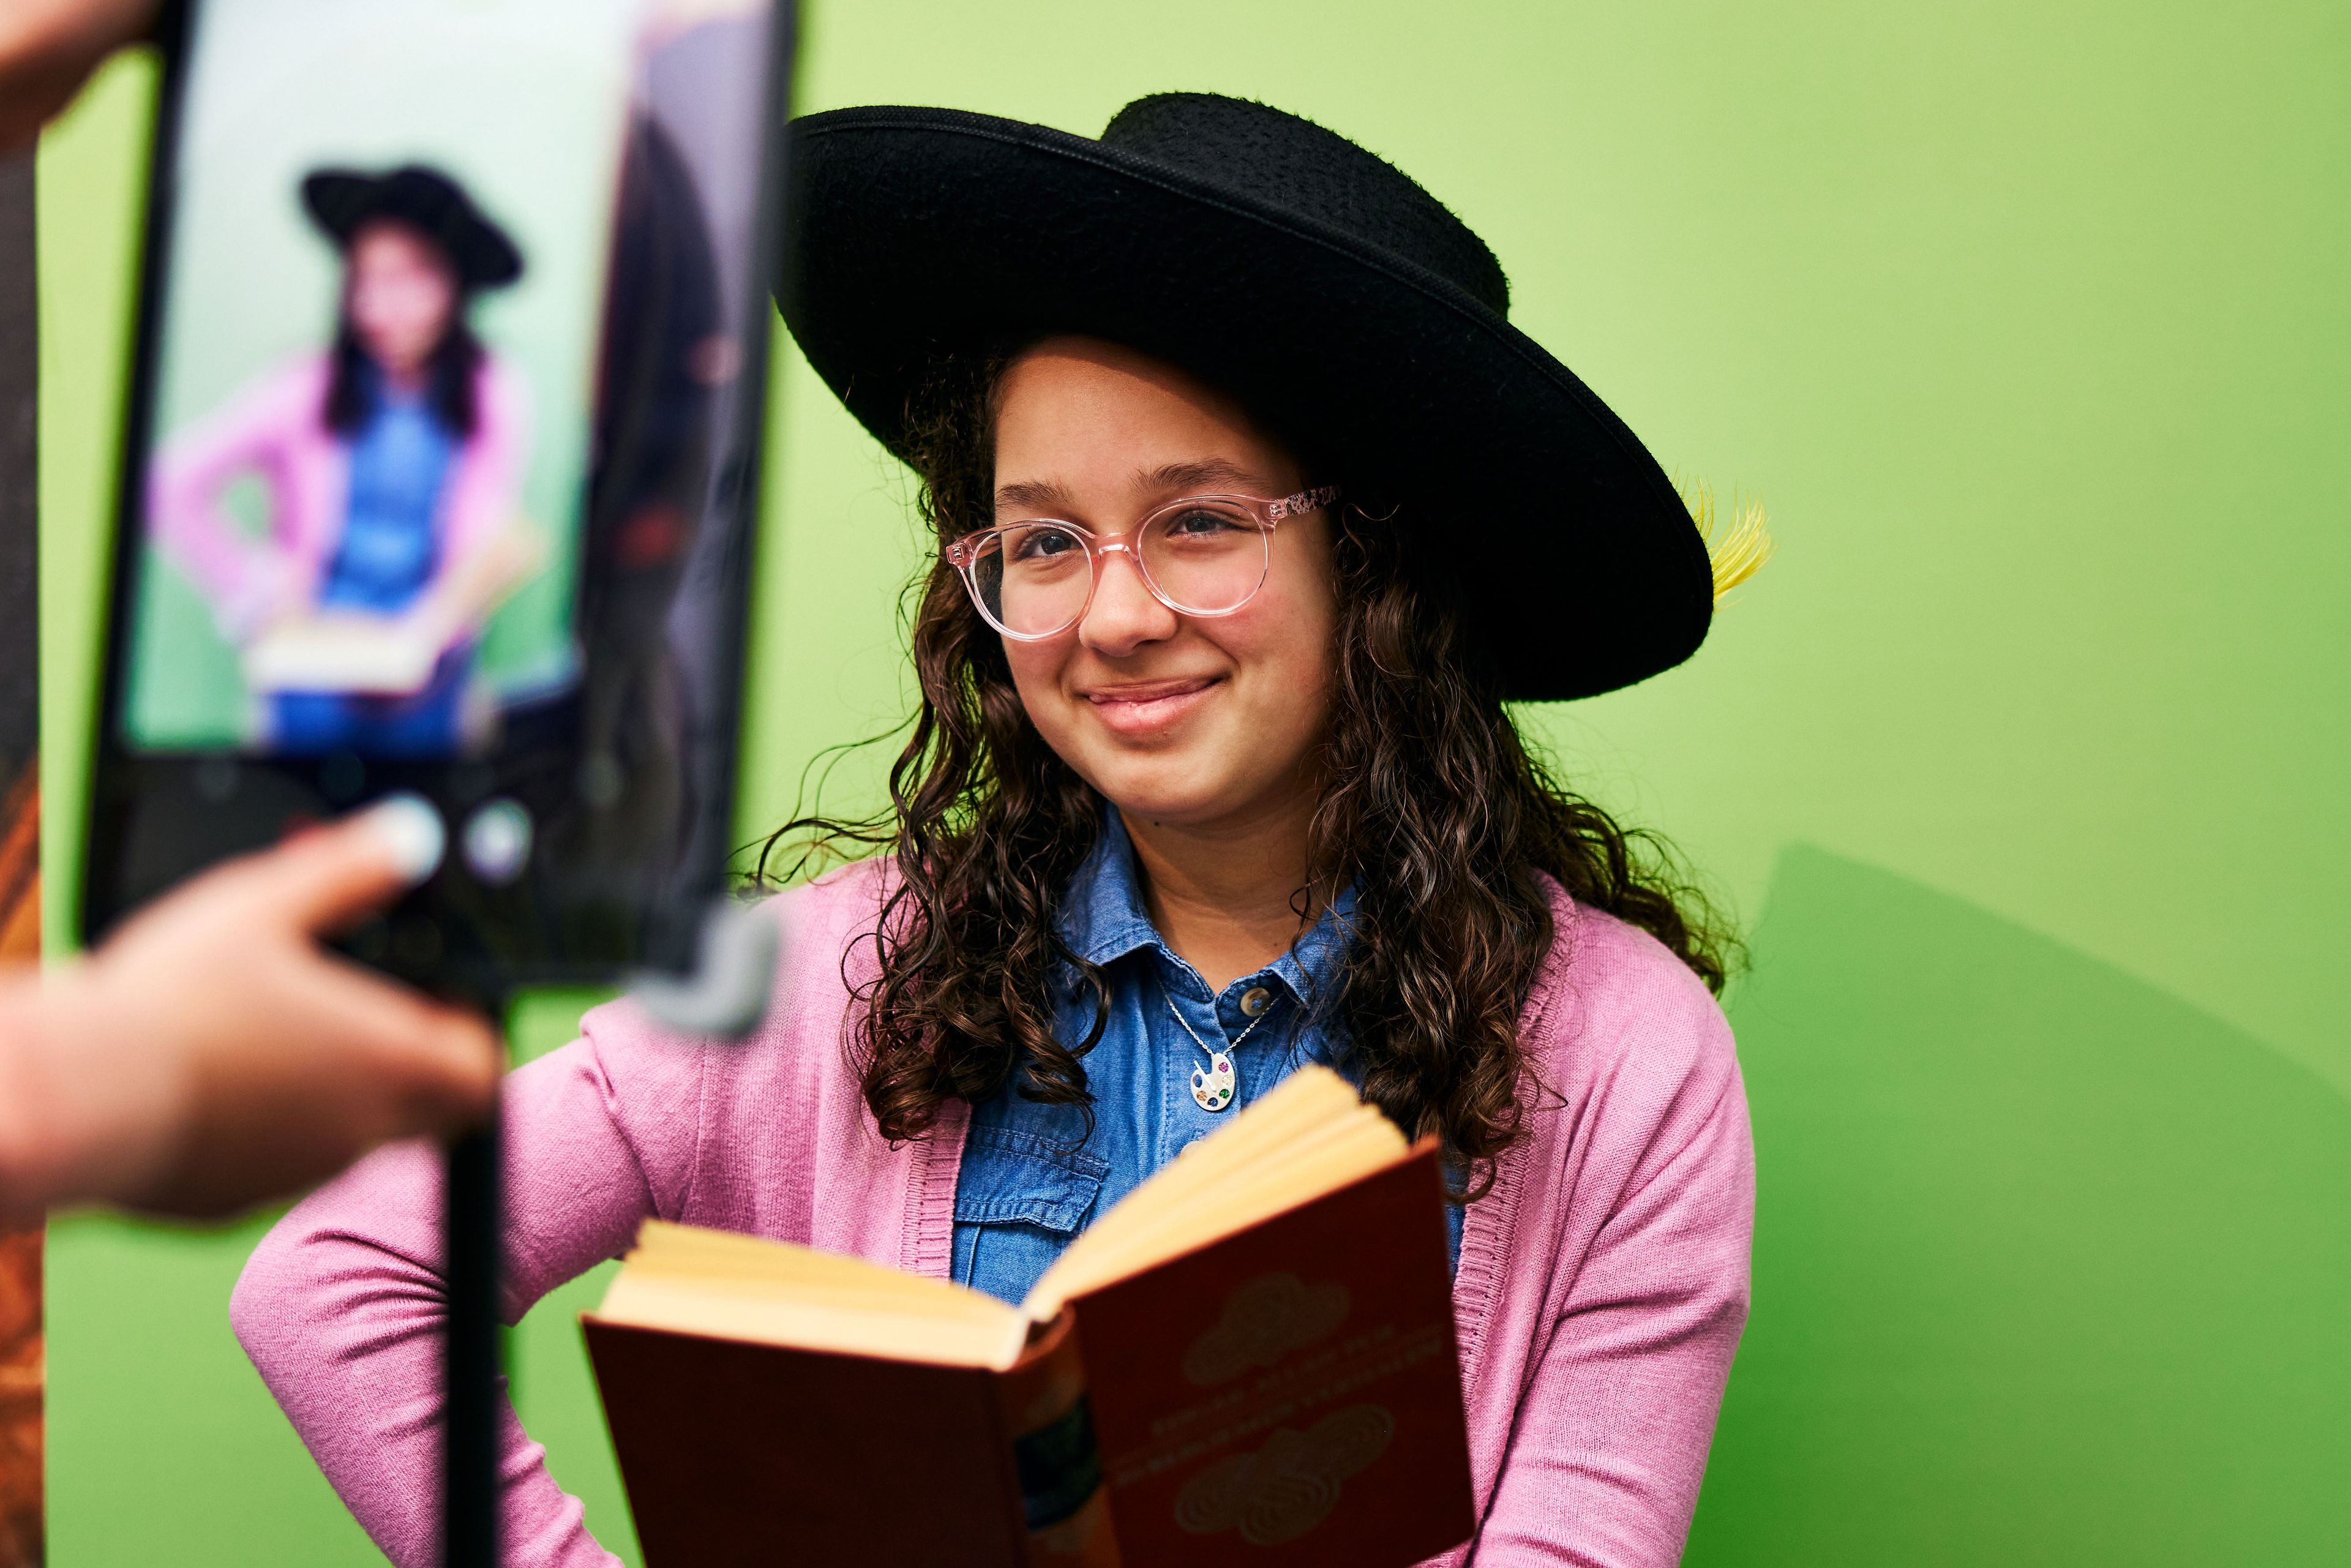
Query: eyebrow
(1214, 470)
(1210, 473)
(1032, 495)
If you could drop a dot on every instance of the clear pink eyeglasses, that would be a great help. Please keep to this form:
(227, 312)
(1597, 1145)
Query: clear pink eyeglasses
(1204, 555)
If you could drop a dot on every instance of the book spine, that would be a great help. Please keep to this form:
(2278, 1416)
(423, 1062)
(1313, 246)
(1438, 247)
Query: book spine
(1063, 1499)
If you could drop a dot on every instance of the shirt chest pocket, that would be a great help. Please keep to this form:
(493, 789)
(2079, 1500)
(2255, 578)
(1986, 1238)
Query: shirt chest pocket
(1019, 1200)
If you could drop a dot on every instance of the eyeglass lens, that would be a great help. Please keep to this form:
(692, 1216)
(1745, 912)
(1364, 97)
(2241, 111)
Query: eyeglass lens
(1205, 557)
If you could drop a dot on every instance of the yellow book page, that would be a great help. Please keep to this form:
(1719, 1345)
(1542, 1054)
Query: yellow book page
(964, 1306)
(661, 1244)
(1201, 1178)
(1225, 1209)
(1312, 1106)
(1310, 1143)
(696, 1280)
(1325, 1164)
(818, 1322)
(1311, 1101)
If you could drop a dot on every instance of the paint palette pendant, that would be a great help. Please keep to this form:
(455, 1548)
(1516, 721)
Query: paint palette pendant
(1213, 1085)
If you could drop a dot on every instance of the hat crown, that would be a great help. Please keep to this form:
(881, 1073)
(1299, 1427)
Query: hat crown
(343, 199)
(1283, 160)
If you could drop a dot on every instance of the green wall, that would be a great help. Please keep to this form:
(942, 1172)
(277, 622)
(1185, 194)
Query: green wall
(2025, 762)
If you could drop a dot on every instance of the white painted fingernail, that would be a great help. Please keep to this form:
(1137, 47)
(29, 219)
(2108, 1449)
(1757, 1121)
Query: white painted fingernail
(409, 828)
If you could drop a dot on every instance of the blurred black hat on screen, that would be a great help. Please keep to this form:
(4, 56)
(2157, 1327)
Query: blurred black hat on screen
(344, 201)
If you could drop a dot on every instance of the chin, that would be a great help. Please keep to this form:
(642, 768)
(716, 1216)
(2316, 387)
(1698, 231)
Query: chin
(1158, 790)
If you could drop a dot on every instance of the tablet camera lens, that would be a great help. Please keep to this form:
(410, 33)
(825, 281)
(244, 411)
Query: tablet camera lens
(497, 842)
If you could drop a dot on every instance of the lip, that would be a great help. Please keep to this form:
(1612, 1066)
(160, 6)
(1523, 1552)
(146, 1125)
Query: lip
(1138, 707)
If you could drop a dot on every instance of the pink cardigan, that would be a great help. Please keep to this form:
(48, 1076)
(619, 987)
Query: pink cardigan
(277, 429)
(1601, 1290)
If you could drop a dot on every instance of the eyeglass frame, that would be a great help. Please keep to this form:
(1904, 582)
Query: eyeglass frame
(964, 553)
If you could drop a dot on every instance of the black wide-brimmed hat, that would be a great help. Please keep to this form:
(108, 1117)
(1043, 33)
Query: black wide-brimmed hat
(341, 201)
(1279, 261)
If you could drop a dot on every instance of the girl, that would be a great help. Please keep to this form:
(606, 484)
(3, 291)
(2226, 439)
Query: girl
(1251, 511)
(392, 461)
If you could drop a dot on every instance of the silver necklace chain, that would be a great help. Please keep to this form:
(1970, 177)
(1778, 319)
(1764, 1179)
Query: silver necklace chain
(1219, 1083)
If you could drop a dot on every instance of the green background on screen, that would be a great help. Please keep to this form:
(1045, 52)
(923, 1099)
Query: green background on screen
(2024, 763)
(533, 135)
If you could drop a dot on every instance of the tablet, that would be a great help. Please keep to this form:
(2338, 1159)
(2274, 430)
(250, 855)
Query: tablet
(440, 469)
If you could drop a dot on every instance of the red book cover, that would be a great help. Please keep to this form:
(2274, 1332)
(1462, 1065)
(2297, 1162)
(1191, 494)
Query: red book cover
(735, 1453)
(1290, 1395)
(740, 1454)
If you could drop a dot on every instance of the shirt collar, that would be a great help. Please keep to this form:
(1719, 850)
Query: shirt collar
(1104, 918)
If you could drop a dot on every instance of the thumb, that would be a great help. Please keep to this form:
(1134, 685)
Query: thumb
(327, 877)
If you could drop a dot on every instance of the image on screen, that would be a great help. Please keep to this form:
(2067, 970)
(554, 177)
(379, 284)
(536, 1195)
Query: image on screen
(390, 358)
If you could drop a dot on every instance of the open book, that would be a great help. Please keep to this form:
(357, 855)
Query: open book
(343, 651)
(1251, 1356)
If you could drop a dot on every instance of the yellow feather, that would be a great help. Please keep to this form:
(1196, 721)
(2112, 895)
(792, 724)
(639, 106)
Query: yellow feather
(1737, 552)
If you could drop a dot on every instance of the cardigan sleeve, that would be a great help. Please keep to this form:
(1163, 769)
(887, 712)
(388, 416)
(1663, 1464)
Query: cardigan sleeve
(244, 581)
(342, 1306)
(1612, 1427)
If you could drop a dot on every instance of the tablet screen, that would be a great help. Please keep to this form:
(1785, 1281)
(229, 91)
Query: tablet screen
(447, 403)
(373, 437)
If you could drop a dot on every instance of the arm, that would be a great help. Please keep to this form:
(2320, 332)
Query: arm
(247, 585)
(1612, 1434)
(210, 1056)
(342, 1306)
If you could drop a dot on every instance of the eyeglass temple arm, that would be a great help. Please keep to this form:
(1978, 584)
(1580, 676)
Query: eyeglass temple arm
(1302, 503)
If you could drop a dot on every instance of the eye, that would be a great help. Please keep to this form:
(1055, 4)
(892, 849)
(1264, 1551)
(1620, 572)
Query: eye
(1041, 543)
(1201, 522)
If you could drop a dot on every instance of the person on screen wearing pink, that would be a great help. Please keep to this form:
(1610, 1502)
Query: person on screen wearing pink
(392, 463)
(1252, 514)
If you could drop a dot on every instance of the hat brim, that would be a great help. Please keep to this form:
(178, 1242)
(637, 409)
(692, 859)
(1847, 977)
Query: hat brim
(341, 201)
(918, 231)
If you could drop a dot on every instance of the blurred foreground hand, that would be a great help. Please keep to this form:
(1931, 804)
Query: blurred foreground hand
(47, 49)
(211, 1055)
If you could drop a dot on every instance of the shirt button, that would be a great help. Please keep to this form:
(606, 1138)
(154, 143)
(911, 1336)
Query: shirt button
(1255, 1000)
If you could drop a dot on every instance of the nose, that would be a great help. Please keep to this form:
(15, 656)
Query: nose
(1124, 614)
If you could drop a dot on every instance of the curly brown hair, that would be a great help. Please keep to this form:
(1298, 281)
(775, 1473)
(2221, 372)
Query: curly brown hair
(1432, 807)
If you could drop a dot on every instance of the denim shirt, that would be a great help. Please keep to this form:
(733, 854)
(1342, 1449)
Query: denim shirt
(1031, 1179)
(391, 545)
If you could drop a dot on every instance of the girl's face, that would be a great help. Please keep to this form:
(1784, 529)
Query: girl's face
(1192, 721)
(401, 295)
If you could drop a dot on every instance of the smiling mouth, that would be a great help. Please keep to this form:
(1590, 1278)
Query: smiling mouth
(1147, 705)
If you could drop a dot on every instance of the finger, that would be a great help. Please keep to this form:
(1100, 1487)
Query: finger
(49, 48)
(454, 1079)
(437, 1064)
(329, 876)
(69, 31)
(29, 100)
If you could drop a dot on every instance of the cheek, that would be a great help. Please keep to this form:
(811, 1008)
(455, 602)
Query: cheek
(1296, 671)
(1294, 642)
(436, 304)
(379, 314)
(1037, 675)
(398, 308)
(411, 310)
(1283, 656)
